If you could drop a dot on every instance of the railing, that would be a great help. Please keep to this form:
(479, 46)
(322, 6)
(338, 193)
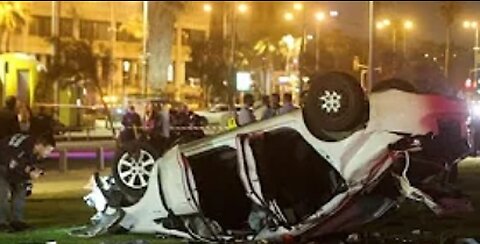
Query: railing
(89, 133)
(105, 145)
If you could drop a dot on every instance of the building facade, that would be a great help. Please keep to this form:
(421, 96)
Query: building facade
(100, 22)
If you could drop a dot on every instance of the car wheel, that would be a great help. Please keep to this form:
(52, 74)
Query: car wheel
(335, 104)
(132, 166)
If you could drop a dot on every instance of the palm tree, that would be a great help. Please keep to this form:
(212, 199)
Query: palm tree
(266, 50)
(289, 47)
(13, 16)
(449, 11)
(162, 16)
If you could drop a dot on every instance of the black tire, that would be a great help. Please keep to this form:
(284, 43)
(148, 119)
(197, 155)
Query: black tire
(394, 83)
(346, 108)
(140, 164)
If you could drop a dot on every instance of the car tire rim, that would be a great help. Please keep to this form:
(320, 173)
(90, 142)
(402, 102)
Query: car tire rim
(135, 173)
(330, 102)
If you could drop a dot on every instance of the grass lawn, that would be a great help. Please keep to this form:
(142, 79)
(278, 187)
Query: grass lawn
(57, 205)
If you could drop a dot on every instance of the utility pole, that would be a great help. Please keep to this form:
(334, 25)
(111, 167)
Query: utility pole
(55, 47)
(231, 66)
(113, 38)
(371, 42)
(145, 49)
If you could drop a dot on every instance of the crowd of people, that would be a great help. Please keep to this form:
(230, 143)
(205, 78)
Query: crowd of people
(154, 126)
(25, 140)
(270, 107)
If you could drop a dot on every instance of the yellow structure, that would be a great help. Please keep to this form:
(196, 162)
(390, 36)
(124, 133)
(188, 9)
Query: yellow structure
(100, 23)
(19, 76)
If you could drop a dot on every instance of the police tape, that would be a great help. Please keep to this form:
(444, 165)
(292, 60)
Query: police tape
(182, 128)
(190, 128)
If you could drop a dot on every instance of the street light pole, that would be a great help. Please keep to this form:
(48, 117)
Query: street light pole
(404, 43)
(317, 47)
(371, 42)
(55, 48)
(231, 67)
(394, 29)
(145, 48)
(113, 38)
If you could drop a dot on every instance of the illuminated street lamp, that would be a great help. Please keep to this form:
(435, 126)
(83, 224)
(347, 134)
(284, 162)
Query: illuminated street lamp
(288, 16)
(333, 13)
(320, 16)
(385, 23)
(207, 7)
(298, 6)
(242, 8)
(380, 25)
(408, 25)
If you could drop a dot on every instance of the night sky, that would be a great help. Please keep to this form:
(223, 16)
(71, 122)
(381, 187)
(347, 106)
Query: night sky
(429, 24)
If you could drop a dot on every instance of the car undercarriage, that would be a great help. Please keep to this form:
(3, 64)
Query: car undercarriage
(298, 177)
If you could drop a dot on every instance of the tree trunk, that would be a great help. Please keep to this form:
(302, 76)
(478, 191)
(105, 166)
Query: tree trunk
(7, 41)
(160, 36)
(3, 35)
(447, 53)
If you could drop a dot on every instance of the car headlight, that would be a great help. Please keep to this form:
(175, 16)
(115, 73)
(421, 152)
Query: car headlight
(475, 108)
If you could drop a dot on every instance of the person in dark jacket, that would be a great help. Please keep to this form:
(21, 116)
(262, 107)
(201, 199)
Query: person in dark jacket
(9, 119)
(132, 123)
(19, 156)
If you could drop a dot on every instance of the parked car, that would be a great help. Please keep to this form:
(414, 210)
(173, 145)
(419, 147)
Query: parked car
(341, 161)
(219, 114)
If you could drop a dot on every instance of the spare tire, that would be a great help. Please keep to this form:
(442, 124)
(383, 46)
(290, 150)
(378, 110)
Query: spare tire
(335, 103)
(131, 168)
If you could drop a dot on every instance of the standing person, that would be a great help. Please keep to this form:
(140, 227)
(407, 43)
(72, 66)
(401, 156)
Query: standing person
(245, 115)
(153, 124)
(8, 118)
(20, 154)
(287, 104)
(151, 120)
(131, 122)
(268, 111)
(276, 103)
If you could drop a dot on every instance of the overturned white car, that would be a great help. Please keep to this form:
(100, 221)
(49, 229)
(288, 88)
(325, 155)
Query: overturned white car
(341, 161)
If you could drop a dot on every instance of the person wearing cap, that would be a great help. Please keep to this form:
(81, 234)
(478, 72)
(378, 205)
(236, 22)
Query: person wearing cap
(19, 157)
